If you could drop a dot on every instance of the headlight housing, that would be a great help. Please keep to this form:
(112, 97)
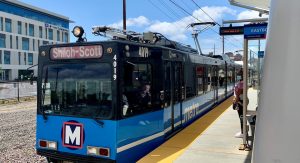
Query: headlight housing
(78, 31)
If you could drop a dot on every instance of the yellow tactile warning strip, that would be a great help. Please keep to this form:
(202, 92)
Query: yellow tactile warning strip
(174, 147)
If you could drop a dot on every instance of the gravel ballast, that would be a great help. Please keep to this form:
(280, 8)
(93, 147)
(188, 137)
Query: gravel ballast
(17, 133)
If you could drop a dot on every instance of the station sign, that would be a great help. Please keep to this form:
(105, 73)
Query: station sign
(261, 54)
(255, 31)
(76, 52)
(238, 30)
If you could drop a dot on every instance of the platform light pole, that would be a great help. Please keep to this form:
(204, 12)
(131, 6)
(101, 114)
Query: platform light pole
(245, 92)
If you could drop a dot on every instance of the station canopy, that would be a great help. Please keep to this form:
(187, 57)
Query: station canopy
(262, 6)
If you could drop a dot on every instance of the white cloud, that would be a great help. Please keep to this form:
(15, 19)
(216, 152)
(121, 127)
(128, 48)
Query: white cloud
(250, 14)
(174, 30)
(137, 22)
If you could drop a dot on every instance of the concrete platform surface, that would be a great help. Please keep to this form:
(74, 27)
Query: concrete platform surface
(210, 139)
(217, 144)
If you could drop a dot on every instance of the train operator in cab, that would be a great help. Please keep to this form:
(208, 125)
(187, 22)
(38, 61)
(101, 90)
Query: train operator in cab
(145, 96)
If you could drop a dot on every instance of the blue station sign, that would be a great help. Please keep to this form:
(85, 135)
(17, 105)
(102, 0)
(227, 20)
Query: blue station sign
(255, 31)
(261, 54)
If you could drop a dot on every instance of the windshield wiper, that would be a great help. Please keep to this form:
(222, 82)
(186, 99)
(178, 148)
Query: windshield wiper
(43, 96)
(43, 113)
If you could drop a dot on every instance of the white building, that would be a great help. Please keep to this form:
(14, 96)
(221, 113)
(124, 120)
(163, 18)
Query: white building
(23, 28)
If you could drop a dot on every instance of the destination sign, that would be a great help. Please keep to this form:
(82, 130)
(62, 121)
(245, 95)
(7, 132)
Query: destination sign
(76, 52)
(255, 31)
(238, 30)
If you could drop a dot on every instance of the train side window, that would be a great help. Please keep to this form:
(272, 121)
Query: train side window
(199, 78)
(205, 78)
(214, 79)
(230, 76)
(221, 77)
(209, 79)
(190, 81)
(137, 88)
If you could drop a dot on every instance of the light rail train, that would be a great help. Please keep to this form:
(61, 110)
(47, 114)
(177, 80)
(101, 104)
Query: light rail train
(115, 101)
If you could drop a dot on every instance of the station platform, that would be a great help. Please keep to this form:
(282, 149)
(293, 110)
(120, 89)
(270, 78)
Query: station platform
(209, 139)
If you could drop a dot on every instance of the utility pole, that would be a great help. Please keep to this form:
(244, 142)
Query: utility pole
(124, 15)
(215, 49)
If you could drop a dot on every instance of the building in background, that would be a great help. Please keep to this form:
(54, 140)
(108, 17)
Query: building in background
(230, 55)
(23, 28)
(238, 57)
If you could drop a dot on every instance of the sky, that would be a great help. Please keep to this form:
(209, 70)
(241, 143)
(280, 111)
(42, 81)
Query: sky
(168, 17)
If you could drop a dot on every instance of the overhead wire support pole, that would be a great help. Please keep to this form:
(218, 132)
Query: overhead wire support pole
(124, 15)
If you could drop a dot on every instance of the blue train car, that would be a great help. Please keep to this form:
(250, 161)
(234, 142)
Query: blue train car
(115, 101)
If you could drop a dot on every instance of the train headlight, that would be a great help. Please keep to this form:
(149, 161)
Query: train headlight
(92, 150)
(52, 145)
(98, 151)
(48, 144)
(78, 31)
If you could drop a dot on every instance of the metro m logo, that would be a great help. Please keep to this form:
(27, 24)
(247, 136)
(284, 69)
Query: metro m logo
(72, 135)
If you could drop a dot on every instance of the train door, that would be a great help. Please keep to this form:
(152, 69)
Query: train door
(173, 82)
(215, 83)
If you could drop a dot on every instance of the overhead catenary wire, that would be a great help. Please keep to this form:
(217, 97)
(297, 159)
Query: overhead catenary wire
(183, 2)
(162, 11)
(178, 6)
(176, 23)
(185, 11)
(206, 13)
(169, 8)
(171, 11)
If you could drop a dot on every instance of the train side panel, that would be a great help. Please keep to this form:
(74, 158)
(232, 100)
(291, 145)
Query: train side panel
(138, 135)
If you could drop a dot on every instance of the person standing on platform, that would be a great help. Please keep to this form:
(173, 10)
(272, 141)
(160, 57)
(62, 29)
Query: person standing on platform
(238, 101)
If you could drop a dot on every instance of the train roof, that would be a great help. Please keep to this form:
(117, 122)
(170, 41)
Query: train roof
(192, 55)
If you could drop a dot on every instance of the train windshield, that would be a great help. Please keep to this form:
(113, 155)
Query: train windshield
(81, 90)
